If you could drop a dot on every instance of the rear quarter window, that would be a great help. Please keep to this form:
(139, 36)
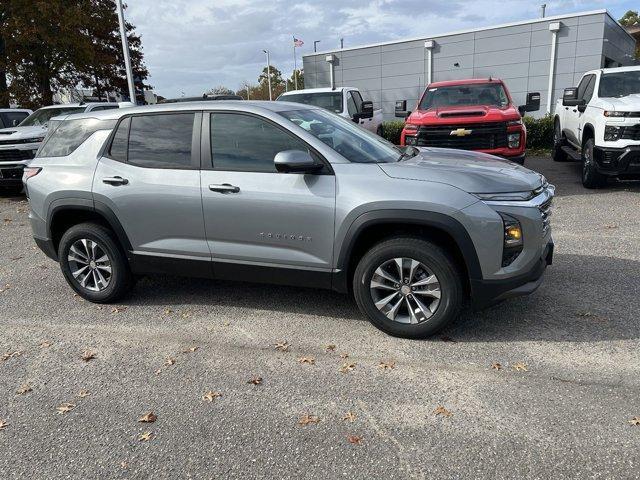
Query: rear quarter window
(68, 135)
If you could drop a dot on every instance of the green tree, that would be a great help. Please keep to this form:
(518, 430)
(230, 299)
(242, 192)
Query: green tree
(631, 19)
(291, 82)
(4, 94)
(221, 90)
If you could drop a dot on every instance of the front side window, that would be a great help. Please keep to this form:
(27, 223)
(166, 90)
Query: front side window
(619, 84)
(161, 141)
(465, 95)
(588, 92)
(65, 136)
(345, 137)
(247, 143)
(332, 101)
(42, 116)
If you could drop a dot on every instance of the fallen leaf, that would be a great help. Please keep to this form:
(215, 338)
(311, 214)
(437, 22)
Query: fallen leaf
(256, 380)
(496, 366)
(306, 419)
(442, 411)
(330, 348)
(145, 437)
(26, 388)
(635, 421)
(3, 424)
(7, 220)
(118, 309)
(124, 465)
(45, 344)
(149, 417)
(520, 367)
(190, 350)
(65, 407)
(354, 439)
(283, 346)
(84, 393)
(88, 355)
(309, 360)
(349, 416)
(168, 311)
(387, 365)
(448, 339)
(610, 226)
(210, 396)
(169, 361)
(9, 355)
(585, 314)
(17, 258)
(347, 367)
(344, 355)
(6, 287)
(186, 315)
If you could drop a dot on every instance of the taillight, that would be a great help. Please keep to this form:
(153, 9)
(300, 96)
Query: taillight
(30, 172)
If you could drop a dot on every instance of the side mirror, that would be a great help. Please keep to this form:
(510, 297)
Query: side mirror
(401, 109)
(532, 105)
(366, 109)
(291, 161)
(570, 97)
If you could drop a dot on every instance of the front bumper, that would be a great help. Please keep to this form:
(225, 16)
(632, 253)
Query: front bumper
(11, 174)
(488, 292)
(618, 162)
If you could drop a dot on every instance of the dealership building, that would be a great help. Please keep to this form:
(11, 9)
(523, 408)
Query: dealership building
(542, 55)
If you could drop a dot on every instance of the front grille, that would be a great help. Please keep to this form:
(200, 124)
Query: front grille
(483, 136)
(17, 142)
(630, 133)
(545, 212)
(16, 155)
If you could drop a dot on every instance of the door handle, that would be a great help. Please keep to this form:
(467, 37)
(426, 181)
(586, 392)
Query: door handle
(115, 180)
(224, 188)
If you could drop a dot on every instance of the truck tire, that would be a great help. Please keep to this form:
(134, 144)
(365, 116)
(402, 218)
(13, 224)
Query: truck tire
(590, 176)
(557, 153)
(380, 131)
(408, 287)
(93, 263)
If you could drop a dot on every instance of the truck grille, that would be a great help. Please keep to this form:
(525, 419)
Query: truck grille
(482, 136)
(545, 212)
(16, 155)
(630, 133)
(11, 173)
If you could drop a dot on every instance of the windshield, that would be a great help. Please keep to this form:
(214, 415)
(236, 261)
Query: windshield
(42, 116)
(619, 84)
(332, 101)
(465, 95)
(345, 137)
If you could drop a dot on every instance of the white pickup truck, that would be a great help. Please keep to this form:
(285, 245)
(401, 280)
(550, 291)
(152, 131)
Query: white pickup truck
(345, 101)
(598, 123)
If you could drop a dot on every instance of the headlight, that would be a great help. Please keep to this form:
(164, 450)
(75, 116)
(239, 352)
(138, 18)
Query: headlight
(512, 246)
(410, 129)
(514, 140)
(506, 197)
(611, 113)
(513, 123)
(611, 133)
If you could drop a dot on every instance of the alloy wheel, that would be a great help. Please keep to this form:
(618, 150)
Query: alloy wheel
(405, 290)
(90, 265)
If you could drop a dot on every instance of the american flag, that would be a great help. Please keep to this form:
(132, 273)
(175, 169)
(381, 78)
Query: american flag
(297, 42)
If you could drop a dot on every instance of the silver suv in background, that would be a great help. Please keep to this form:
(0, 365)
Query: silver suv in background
(286, 193)
(19, 144)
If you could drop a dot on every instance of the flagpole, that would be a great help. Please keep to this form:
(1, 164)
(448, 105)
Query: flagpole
(295, 65)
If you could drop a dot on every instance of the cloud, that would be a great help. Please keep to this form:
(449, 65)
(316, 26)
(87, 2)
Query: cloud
(193, 45)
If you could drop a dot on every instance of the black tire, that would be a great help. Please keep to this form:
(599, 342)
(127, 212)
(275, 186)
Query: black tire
(590, 176)
(436, 260)
(380, 131)
(121, 280)
(557, 153)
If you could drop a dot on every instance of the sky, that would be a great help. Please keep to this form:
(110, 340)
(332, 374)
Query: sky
(192, 46)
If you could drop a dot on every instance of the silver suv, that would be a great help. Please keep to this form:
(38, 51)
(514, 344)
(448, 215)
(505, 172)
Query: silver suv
(285, 193)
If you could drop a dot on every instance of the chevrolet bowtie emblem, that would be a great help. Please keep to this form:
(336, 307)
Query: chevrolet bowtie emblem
(460, 132)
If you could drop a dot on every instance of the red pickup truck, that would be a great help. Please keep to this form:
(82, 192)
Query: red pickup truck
(476, 114)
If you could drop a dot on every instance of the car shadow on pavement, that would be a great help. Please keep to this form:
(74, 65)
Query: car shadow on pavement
(567, 177)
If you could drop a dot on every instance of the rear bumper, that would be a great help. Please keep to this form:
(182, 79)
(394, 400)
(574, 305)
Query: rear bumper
(46, 245)
(618, 162)
(487, 292)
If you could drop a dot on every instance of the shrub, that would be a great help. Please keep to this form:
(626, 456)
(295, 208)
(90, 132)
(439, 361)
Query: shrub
(539, 132)
(391, 131)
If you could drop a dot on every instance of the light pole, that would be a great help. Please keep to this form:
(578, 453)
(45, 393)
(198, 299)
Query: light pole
(125, 51)
(268, 71)
(315, 42)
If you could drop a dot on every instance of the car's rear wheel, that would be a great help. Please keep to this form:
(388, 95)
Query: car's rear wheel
(558, 154)
(590, 176)
(408, 287)
(93, 264)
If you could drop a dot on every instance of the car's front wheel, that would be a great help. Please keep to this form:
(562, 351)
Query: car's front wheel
(93, 264)
(408, 287)
(558, 154)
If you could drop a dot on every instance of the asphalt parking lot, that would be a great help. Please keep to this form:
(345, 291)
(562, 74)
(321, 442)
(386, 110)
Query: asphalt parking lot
(560, 404)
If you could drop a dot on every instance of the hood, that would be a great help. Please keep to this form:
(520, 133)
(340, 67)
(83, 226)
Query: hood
(464, 114)
(630, 103)
(20, 133)
(473, 172)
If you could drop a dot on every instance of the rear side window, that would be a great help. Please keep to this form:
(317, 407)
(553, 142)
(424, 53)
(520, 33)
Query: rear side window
(70, 134)
(118, 149)
(161, 141)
